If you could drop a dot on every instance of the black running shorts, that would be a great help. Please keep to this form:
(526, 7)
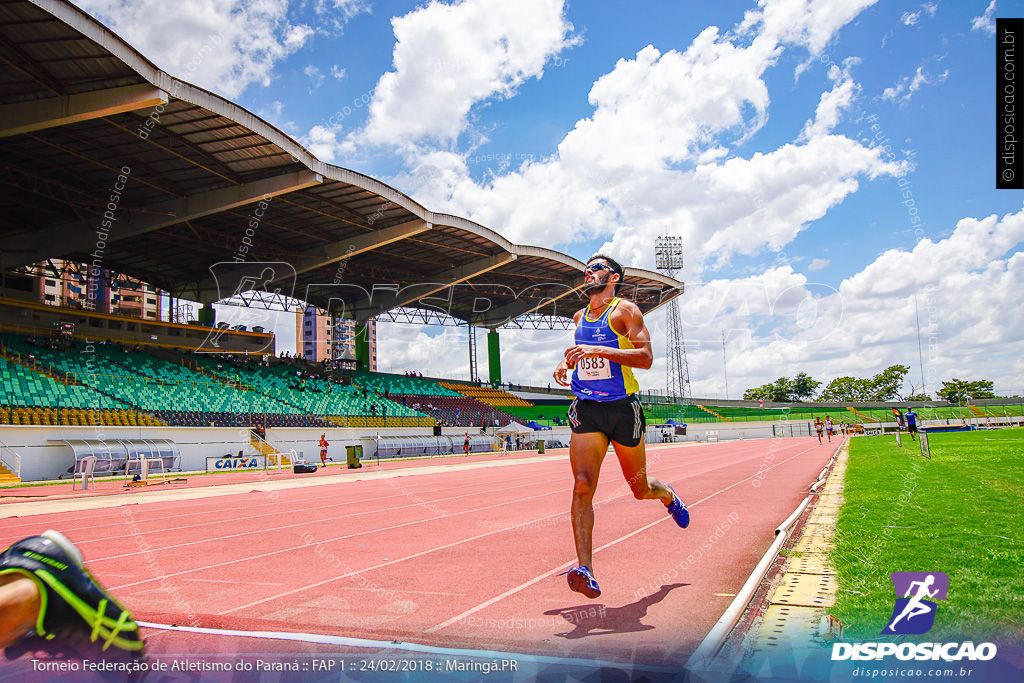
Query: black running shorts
(621, 421)
(912, 428)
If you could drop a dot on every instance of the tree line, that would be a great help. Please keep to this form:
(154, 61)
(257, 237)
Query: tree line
(885, 386)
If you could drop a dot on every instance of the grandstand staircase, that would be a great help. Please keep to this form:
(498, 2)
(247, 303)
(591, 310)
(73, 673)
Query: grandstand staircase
(721, 417)
(863, 417)
(265, 449)
(8, 477)
(978, 412)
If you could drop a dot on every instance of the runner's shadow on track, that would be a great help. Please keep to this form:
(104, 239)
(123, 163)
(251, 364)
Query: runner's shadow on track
(598, 620)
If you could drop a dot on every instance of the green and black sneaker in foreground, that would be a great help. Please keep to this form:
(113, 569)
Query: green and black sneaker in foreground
(75, 612)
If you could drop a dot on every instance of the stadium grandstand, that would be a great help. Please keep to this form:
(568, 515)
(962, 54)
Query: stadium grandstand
(127, 192)
(94, 345)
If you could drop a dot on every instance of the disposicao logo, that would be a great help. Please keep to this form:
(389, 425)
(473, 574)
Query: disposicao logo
(914, 614)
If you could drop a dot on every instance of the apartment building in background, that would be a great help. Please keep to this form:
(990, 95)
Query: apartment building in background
(319, 336)
(73, 285)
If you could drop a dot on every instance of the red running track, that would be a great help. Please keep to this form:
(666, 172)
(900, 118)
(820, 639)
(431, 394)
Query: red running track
(455, 558)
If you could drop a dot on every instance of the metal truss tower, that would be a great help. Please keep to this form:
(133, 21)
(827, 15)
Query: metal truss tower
(668, 257)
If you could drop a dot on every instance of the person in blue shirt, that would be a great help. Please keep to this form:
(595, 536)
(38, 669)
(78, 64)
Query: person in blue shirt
(611, 339)
(911, 418)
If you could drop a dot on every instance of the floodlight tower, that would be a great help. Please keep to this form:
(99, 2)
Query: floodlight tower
(668, 257)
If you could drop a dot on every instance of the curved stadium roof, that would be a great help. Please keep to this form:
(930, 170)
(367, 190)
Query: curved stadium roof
(73, 100)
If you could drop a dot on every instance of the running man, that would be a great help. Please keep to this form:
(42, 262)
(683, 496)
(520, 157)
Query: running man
(818, 427)
(829, 427)
(611, 339)
(323, 449)
(465, 444)
(911, 422)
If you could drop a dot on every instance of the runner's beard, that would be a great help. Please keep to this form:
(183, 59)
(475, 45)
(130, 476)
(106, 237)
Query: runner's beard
(595, 286)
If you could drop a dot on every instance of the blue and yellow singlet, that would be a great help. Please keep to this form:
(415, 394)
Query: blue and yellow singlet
(599, 379)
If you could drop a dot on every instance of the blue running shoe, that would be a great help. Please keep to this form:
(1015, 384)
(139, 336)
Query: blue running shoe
(677, 510)
(581, 580)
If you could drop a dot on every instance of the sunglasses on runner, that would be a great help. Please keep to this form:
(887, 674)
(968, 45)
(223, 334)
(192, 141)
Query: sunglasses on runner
(595, 267)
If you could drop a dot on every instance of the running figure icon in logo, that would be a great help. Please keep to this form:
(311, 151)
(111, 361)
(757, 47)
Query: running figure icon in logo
(914, 613)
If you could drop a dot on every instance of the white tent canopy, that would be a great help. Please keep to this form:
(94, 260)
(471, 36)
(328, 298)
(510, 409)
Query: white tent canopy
(514, 428)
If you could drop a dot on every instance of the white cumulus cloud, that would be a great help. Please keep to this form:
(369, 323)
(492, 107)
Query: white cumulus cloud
(450, 57)
(221, 45)
(832, 104)
(656, 153)
(960, 284)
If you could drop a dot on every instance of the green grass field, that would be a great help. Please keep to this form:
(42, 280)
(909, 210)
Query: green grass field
(960, 513)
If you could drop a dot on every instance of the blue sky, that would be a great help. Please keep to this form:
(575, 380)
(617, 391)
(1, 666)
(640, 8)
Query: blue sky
(602, 125)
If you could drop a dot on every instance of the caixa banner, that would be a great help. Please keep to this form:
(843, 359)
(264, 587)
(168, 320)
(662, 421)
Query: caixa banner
(248, 462)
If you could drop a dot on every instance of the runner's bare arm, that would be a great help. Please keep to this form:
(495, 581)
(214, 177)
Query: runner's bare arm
(561, 374)
(626, 316)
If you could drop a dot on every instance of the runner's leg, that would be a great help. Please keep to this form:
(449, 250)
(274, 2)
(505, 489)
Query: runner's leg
(633, 461)
(586, 453)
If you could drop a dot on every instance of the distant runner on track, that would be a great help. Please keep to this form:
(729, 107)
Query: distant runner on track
(611, 339)
(323, 449)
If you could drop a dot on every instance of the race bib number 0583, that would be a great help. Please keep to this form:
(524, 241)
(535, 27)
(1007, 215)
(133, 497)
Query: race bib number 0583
(593, 368)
